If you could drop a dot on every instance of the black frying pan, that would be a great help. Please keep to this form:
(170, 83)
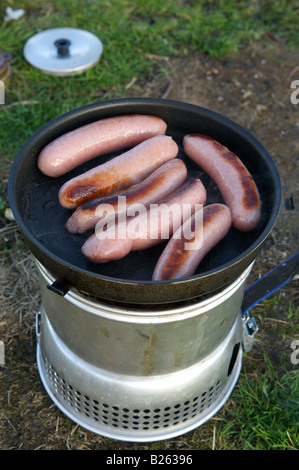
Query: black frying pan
(33, 200)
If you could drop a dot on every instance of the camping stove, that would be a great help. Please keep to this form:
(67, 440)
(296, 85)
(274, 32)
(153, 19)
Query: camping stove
(139, 374)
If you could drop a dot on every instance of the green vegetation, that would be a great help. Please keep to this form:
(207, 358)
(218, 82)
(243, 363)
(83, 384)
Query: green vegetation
(265, 413)
(133, 33)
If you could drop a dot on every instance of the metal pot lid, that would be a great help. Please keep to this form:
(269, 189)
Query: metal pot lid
(63, 51)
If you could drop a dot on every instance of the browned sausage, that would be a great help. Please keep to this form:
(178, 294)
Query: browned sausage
(118, 173)
(192, 241)
(237, 186)
(148, 228)
(95, 139)
(159, 184)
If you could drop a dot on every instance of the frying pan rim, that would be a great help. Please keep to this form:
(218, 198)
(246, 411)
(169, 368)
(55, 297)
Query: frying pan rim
(87, 110)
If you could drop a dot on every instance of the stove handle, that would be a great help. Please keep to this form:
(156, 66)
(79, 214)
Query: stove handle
(279, 276)
(60, 287)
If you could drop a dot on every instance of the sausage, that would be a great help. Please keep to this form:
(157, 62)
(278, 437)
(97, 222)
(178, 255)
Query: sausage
(148, 228)
(192, 241)
(95, 139)
(234, 181)
(155, 187)
(118, 173)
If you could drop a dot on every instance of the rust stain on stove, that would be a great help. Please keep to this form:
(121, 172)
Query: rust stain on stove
(178, 358)
(148, 358)
(223, 321)
(104, 331)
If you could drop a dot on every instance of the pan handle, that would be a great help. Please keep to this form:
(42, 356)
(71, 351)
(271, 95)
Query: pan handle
(276, 278)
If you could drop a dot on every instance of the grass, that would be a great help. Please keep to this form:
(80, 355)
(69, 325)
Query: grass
(134, 35)
(264, 414)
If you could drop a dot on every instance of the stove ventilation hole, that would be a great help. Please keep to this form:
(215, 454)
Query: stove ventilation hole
(233, 358)
(117, 416)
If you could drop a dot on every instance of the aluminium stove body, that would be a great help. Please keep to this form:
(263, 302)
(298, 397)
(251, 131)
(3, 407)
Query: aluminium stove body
(139, 375)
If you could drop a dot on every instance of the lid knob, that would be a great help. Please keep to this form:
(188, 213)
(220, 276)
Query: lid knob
(62, 47)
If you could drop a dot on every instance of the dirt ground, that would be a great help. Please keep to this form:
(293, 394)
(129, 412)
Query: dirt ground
(252, 88)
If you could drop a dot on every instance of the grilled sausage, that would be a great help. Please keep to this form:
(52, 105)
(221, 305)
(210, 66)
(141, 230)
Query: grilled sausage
(192, 241)
(118, 173)
(148, 228)
(234, 181)
(155, 187)
(95, 139)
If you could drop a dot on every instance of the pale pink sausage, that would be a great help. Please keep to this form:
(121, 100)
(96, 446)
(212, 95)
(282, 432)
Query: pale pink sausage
(159, 184)
(192, 241)
(146, 229)
(118, 173)
(95, 139)
(234, 181)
